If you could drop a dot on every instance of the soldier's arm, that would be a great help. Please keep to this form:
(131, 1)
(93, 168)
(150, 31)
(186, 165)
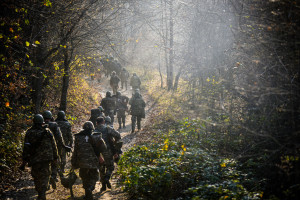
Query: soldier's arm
(53, 144)
(26, 150)
(70, 136)
(60, 139)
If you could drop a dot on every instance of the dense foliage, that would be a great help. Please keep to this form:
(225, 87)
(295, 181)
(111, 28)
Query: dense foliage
(184, 164)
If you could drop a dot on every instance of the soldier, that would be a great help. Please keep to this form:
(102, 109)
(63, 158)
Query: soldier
(107, 120)
(121, 108)
(110, 136)
(109, 105)
(135, 82)
(124, 77)
(39, 152)
(65, 128)
(87, 149)
(95, 113)
(114, 82)
(53, 126)
(137, 110)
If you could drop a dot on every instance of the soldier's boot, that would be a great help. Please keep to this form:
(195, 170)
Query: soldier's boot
(53, 182)
(124, 125)
(139, 126)
(120, 126)
(132, 129)
(88, 194)
(103, 188)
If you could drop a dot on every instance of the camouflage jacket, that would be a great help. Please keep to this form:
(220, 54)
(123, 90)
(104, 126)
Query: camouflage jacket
(121, 103)
(65, 128)
(114, 80)
(124, 75)
(39, 145)
(137, 106)
(53, 126)
(108, 104)
(87, 149)
(109, 135)
(135, 81)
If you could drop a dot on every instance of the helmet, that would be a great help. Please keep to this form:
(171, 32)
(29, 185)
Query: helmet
(88, 125)
(47, 114)
(137, 94)
(108, 119)
(134, 74)
(108, 94)
(113, 73)
(61, 115)
(118, 93)
(38, 119)
(101, 108)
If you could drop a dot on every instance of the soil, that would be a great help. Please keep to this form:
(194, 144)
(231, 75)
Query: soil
(23, 187)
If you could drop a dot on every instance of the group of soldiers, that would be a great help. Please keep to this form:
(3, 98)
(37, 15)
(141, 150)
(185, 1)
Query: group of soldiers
(95, 148)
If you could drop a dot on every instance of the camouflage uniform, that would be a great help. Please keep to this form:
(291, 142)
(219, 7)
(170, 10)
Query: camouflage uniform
(87, 149)
(135, 82)
(137, 110)
(40, 151)
(95, 113)
(124, 77)
(114, 82)
(109, 105)
(109, 135)
(65, 128)
(121, 107)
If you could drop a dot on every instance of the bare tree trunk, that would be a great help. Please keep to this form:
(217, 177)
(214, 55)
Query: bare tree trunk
(37, 88)
(66, 79)
(171, 57)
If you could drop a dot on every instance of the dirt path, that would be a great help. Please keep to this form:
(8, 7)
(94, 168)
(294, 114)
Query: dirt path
(24, 186)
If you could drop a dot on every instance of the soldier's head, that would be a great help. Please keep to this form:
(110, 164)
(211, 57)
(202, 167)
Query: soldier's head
(123, 69)
(61, 115)
(134, 74)
(101, 108)
(118, 93)
(108, 94)
(47, 115)
(107, 119)
(100, 120)
(38, 119)
(113, 73)
(88, 126)
(137, 94)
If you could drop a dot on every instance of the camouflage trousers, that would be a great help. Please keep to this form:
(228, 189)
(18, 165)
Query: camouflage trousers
(63, 159)
(136, 120)
(124, 83)
(41, 175)
(115, 88)
(107, 169)
(89, 178)
(121, 117)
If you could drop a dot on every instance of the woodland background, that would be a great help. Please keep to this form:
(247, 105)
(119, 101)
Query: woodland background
(224, 74)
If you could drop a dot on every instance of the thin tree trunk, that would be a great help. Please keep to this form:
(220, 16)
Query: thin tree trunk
(171, 57)
(66, 79)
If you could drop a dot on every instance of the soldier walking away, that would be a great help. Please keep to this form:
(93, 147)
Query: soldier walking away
(87, 149)
(95, 113)
(114, 82)
(111, 137)
(135, 82)
(107, 120)
(39, 152)
(137, 110)
(121, 108)
(65, 128)
(109, 105)
(53, 126)
(124, 77)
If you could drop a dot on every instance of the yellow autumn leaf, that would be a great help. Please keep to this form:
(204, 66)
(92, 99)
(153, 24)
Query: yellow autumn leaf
(208, 79)
(223, 164)
(37, 42)
(7, 104)
(27, 44)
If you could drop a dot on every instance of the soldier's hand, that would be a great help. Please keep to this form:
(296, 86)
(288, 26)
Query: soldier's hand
(115, 156)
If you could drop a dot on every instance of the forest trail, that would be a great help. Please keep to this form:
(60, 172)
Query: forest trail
(24, 186)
